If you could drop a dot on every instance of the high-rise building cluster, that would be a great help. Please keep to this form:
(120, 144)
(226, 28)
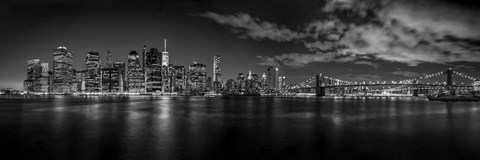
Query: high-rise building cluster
(252, 84)
(150, 72)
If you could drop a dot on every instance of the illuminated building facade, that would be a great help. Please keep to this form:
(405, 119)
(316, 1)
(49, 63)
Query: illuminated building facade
(62, 70)
(197, 78)
(135, 75)
(153, 71)
(93, 82)
(272, 77)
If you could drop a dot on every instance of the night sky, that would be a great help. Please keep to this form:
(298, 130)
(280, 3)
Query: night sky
(357, 40)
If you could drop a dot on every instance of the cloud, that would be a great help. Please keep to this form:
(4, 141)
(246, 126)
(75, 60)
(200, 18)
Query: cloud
(255, 28)
(361, 7)
(363, 77)
(403, 31)
(437, 17)
(374, 65)
(406, 73)
(319, 45)
(268, 61)
(299, 60)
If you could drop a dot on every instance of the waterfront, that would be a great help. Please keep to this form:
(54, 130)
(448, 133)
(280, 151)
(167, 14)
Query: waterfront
(147, 127)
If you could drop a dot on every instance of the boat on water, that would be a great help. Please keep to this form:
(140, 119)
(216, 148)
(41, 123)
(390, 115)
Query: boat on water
(451, 97)
(454, 99)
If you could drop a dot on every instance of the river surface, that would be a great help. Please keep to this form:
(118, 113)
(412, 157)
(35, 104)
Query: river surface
(237, 128)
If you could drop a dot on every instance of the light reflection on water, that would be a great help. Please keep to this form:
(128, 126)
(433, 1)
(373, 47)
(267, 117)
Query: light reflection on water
(146, 127)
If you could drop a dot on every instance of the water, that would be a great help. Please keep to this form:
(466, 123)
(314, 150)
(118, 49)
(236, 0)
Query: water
(237, 128)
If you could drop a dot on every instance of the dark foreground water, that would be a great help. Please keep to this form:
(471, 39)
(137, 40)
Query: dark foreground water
(237, 128)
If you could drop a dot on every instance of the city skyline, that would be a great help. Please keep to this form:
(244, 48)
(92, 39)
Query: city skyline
(250, 35)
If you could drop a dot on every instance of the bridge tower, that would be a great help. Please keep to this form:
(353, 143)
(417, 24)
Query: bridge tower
(415, 88)
(319, 90)
(449, 78)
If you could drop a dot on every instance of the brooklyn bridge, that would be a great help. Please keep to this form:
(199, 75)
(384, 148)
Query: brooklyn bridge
(323, 85)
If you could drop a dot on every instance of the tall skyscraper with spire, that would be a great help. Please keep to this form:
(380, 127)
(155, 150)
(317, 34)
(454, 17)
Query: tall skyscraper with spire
(165, 73)
(165, 56)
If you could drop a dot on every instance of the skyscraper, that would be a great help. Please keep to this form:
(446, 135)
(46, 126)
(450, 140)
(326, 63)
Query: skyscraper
(79, 82)
(93, 73)
(45, 80)
(197, 78)
(109, 59)
(154, 71)
(165, 55)
(281, 82)
(144, 55)
(264, 80)
(217, 76)
(272, 77)
(62, 70)
(179, 79)
(34, 68)
(135, 74)
(120, 66)
(166, 69)
(111, 81)
(241, 82)
(34, 74)
(231, 85)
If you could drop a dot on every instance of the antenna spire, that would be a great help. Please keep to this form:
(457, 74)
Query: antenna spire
(165, 44)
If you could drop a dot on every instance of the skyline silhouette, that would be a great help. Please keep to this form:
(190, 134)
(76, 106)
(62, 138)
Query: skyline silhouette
(345, 39)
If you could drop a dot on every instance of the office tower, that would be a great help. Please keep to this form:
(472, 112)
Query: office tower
(44, 80)
(281, 82)
(154, 71)
(197, 78)
(251, 81)
(272, 77)
(93, 73)
(179, 79)
(166, 69)
(165, 55)
(264, 80)
(144, 55)
(230, 86)
(135, 75)
(34, 68)
(254, 81)
(241, 81)
(120, 66)
(167, 78)
(62, 70)
(111, 81)
(109, 60)
(79, 81)
(34, 74)
(217, 75)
